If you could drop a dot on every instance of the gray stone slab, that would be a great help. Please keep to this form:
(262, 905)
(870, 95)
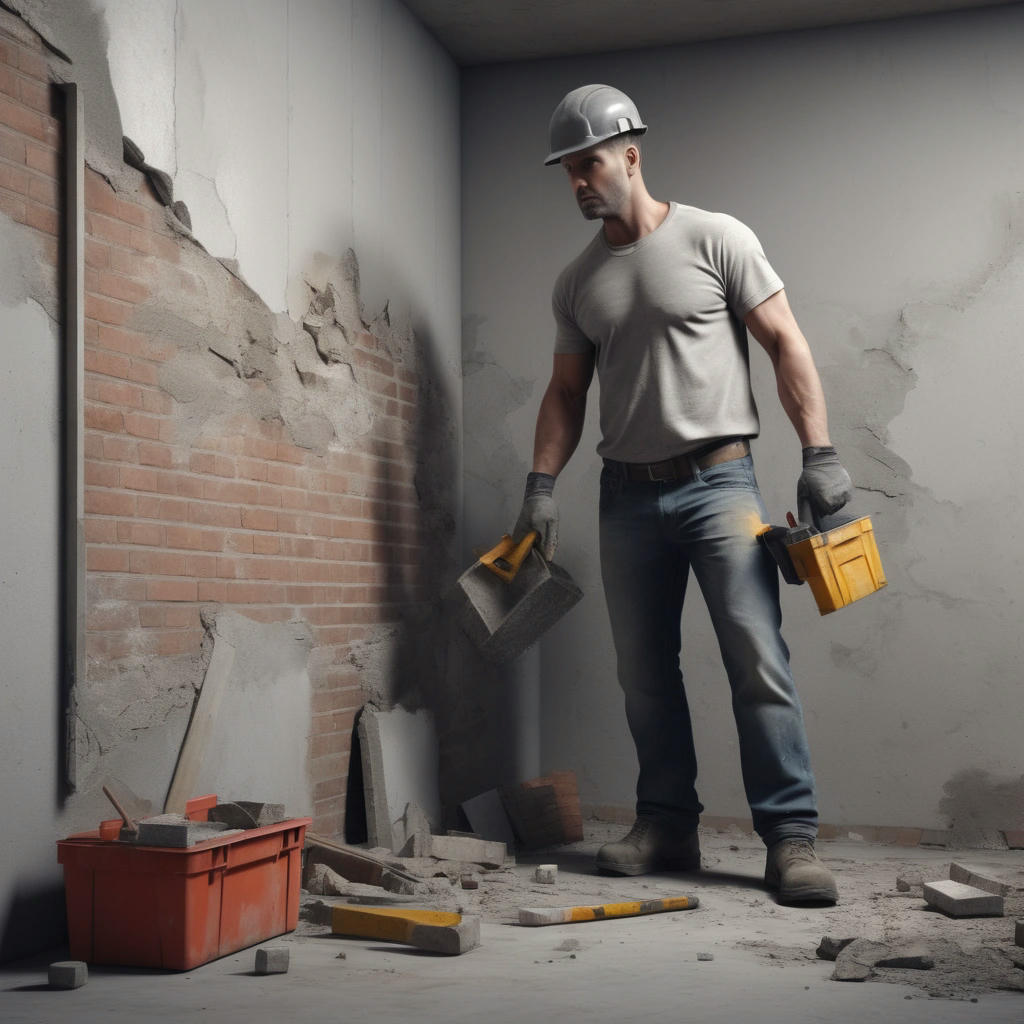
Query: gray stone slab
(411, 833)
(982, 878)
(400, 757)
(959, 900)
(68, 974)
(247, 814)
(179, 833)
(829, 948)
(487, 817)
(856, 962)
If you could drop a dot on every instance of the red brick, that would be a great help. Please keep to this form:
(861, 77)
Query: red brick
(202, 566)
(35, 96)
(143, 373)
(240, 542)
(255, 593)
(110, 364)
(107, 228)
(118, 287)
(28, 122)
(140, 425)
(213, 591)
(214, 515)
(14, 207)
(113, 392)
(149, 534)
(110, 617)
(174, 642)
(107, 311)
(258, 519)
(193, 539)
(8, 80)
(252, 469)
(155, 455)
(289, 453)
(100, 531)
(157, 402)
(139, 478)
(33, 64)
(14, 179)
(152, 616)
(239, 492)
(171, 590)
(266, 544)
(179, 616)
(44, 191)
(106, 560)
(42, 158)
(109, 503)
(119, 449)
(12, 147)
(157, 563)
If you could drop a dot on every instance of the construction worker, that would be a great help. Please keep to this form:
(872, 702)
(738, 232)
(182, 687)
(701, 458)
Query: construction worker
(660, 303)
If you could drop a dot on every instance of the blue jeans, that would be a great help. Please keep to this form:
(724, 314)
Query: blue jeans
(652, 534)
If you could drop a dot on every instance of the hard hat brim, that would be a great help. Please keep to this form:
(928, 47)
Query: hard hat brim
(555, 157)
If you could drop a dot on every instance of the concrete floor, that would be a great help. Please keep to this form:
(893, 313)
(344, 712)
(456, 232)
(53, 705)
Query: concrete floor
(642, 969)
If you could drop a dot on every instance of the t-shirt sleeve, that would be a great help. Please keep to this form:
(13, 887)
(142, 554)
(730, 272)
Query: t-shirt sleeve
(568, 336)
(748, 276)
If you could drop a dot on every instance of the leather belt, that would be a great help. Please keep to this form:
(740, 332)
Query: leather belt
(681, 467)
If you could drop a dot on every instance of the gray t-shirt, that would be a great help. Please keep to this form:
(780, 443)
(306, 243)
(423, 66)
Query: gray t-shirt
(664, 317)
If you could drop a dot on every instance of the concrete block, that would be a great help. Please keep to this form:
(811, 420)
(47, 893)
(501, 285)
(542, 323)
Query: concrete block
(470, 881)
(68, 974)
(546, 874)
(982, 878)
(959, 900)
(272, 960)
(909, 881)
(503, 618)
(436, 931)
(473, 851)
(1018, 933)
(487, 817)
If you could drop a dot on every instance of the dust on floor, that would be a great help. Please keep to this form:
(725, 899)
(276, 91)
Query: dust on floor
(971, 956)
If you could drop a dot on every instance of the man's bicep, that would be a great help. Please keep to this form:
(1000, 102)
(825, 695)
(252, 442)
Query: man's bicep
(572, 372)
(772, 321)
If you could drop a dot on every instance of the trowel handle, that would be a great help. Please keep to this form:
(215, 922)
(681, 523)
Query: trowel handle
(506, 557)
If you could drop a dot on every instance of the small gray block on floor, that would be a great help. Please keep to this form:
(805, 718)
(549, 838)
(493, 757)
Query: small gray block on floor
(272, 960)
(68, 974)
(473, 851)
(959, 900)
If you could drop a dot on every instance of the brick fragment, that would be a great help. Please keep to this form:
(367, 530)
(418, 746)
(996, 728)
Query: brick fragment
(979, 878)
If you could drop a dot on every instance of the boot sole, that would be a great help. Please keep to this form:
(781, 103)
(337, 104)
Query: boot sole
(826, 895)
(645, 868)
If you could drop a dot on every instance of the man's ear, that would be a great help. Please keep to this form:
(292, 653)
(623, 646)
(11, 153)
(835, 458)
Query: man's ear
(632, 155)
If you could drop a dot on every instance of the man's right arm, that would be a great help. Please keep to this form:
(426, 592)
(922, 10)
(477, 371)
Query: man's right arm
(562, 411)
(559, 426)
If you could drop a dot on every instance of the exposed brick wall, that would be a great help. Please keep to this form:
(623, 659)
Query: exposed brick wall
(242, 518)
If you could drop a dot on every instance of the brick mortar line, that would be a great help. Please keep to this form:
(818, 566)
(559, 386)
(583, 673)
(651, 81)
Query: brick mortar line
(197, 552)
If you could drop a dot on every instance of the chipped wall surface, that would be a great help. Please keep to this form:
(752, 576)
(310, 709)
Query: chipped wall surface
(272, 424)
(881, 166)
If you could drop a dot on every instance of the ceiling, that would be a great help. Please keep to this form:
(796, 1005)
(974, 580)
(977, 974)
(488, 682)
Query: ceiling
(489, 31)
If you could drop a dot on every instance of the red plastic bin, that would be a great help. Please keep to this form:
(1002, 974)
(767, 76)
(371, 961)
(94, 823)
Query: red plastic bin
(150, 906)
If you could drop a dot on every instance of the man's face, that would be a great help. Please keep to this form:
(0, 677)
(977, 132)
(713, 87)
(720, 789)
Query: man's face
(599, 179)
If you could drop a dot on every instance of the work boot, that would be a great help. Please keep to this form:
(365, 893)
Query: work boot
(652, 844)
(794, 870)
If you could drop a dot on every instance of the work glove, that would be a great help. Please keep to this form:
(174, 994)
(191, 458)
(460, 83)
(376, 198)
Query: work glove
(540, 513)
(824, 486)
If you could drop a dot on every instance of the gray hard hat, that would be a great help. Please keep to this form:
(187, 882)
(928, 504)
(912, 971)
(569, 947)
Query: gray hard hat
(589, 115)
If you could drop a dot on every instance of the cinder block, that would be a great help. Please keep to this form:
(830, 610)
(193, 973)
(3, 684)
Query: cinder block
(473, 851)
(546, 874)
(68, 974)
(959, 900)
(451, 940)
(272, 960)
(979, 879)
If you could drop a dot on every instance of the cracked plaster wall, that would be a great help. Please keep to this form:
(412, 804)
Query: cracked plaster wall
(881, 166)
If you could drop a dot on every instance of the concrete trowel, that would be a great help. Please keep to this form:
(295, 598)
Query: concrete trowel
(510, 596)
(837, 555)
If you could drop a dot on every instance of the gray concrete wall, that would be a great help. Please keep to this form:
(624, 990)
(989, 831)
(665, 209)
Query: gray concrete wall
(881, 166)
(294, 132)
